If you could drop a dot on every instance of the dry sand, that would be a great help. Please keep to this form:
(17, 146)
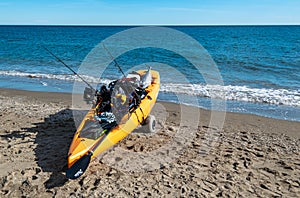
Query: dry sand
(252, 156)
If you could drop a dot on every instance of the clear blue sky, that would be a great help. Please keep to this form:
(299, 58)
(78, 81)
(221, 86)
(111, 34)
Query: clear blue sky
(154, 12)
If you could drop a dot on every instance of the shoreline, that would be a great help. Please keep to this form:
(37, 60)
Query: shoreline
(250, 156)
(68, 96)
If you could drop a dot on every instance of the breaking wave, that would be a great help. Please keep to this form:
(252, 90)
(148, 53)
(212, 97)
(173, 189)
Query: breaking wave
(228, 92)
(67, 77)
(239, 93)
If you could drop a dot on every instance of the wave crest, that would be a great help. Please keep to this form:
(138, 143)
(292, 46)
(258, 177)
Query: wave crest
(229, 92)
(239, 93)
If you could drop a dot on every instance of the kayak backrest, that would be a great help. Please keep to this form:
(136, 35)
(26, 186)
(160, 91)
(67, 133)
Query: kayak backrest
(134, 75)
(146, 79)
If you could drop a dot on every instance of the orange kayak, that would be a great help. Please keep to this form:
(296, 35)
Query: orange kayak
(89, 141)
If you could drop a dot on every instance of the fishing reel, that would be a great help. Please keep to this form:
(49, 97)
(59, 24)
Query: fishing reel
(88, 95)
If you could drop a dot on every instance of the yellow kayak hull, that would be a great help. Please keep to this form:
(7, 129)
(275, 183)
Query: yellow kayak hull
(81, 146)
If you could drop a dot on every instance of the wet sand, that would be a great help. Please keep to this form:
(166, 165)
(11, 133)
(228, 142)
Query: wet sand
(251, 156)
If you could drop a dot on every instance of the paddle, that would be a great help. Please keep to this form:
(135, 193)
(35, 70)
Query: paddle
(80, 166)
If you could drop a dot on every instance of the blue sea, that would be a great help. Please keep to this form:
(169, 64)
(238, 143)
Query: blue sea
(259, 65)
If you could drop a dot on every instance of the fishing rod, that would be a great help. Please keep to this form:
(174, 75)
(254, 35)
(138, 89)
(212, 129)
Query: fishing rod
(67, 66)
(112, 58)
(117, 65)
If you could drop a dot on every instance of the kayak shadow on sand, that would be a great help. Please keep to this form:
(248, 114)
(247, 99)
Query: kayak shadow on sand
(54, 136)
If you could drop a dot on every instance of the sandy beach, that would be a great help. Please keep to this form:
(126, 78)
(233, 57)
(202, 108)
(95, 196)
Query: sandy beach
(252, 156)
